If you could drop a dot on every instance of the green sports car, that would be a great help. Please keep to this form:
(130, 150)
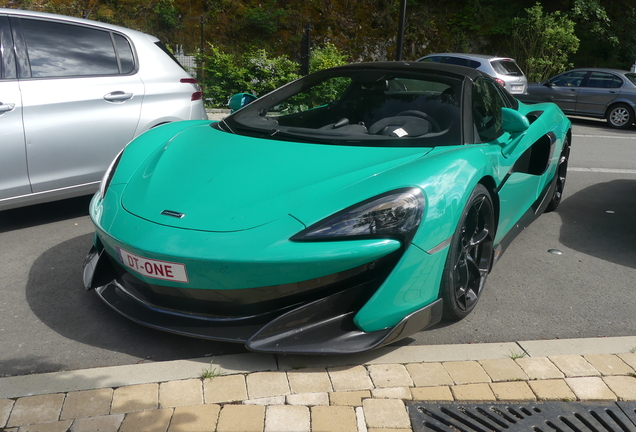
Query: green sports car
(337, 214)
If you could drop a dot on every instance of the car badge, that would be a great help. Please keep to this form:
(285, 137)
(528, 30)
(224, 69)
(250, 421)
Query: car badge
(173, 214)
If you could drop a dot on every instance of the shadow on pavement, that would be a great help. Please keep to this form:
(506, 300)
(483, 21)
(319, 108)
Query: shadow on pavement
(600, 221)
(601, 124)
(42, 214)
(59, 300)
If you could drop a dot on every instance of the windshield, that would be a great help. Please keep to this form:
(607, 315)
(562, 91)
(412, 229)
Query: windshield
(358, 107)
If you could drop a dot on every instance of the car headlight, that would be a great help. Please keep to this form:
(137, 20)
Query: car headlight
(394, 214)
(108, 175)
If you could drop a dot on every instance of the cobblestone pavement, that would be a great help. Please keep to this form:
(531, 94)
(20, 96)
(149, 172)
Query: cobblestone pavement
(363, 393)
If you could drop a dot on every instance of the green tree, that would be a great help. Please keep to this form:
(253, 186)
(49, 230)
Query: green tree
(326, 57)
(595, 30)
(542, 43)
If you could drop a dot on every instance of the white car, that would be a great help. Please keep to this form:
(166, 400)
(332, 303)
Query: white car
(503, 69)
(73, 93)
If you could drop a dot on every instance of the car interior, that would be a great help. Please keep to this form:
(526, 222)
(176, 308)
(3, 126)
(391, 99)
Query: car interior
(385, 108)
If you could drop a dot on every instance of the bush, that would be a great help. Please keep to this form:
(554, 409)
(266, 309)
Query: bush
(326, 57)
(543, 43)
(266, 74)
(225, 75)
(256, 72)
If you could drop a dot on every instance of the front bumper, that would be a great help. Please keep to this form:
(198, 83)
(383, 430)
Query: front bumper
(310, 318)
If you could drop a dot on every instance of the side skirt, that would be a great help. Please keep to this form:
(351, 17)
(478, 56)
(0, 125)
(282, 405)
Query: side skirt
(535, 210)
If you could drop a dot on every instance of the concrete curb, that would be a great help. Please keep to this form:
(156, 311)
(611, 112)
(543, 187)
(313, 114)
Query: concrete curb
(118, 376)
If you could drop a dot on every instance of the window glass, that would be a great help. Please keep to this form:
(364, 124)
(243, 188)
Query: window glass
(357, 107)
(631, 77)
(318, 96)
(58, 50)
(435, 59)
(456, 61)
(487, 104)
(7, 60)
(569, 79)
(474, 64)
(506, 67)
(126, 59)
(604, 80)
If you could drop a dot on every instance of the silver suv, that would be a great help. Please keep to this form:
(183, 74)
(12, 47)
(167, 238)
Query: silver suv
(73, 93)
(503, 69)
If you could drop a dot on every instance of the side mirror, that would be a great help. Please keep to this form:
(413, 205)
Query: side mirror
(240, 100)
(514, 121)
(548, 83)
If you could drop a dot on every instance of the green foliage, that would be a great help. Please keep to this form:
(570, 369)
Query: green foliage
(326, 57)
(592, 15)
(210, 372)
(222, 76)
(266, 16)
(268, 73)
(256, 72)
(166, 14)
(543, 42)
(367, 28)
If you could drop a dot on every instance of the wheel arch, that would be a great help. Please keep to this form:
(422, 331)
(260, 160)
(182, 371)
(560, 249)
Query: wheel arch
(619, 102)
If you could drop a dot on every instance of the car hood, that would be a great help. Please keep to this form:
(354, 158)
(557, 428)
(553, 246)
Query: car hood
(222, 182)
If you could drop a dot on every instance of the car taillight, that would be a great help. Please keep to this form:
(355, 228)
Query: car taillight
(500, 82)
(197, 95)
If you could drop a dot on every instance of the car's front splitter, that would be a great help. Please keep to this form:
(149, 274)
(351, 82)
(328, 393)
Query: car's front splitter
(321, 325)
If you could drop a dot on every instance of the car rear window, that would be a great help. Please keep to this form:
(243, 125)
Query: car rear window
(631, 77)
(506, 67)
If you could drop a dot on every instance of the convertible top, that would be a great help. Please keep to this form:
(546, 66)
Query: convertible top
(460, 71)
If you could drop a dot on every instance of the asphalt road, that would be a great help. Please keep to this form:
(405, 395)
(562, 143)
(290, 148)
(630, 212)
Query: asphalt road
(48, 322)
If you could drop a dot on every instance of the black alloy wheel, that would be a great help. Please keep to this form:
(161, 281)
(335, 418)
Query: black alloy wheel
(620, 116)
(470, 256)
(561, 173)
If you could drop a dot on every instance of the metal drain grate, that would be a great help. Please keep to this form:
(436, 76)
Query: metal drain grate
(526, 417)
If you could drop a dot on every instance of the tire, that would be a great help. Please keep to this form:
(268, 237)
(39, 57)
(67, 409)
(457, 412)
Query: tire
(620, 116)
(561, 173)
(470, 256)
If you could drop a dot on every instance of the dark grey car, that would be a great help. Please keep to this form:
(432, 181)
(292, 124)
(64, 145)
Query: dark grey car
(592, 92)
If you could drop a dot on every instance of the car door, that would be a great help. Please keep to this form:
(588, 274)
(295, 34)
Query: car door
(81, 100)
(597, 92)
(563, 89)
(521, 187)
(14, 179)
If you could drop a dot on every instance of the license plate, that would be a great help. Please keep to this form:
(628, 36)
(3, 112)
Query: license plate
(155, 269)
(517, 87)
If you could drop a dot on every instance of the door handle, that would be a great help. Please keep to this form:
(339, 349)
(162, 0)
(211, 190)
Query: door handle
(118, 96)
(6, 107)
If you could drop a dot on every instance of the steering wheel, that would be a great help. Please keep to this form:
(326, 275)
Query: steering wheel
(414, 113)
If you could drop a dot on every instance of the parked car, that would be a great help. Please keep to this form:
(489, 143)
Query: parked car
(503, 69)
(73, 93)
(596, 93)
(342, 212)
